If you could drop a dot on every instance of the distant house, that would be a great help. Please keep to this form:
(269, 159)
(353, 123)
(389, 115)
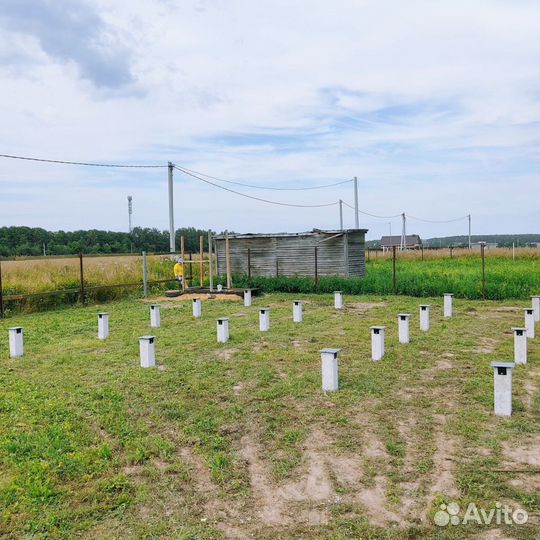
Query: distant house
(488, 245)
(413, 241)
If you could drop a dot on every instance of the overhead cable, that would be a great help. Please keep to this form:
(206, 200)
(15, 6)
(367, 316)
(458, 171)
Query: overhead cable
(252, 197)
(136, 166)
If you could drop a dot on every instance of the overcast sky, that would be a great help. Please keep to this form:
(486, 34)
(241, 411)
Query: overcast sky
(433, 105)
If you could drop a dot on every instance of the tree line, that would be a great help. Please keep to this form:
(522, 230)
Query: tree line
(28, 241)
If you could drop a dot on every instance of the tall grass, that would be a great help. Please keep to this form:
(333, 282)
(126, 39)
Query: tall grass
(436, 274)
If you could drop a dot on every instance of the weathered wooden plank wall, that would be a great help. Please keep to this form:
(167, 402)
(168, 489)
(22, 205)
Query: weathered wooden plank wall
(341, 255)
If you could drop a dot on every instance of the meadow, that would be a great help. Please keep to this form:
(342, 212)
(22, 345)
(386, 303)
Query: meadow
(237, 440)
(434, 273)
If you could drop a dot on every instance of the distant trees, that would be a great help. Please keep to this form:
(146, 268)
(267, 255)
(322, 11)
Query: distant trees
(24, 241)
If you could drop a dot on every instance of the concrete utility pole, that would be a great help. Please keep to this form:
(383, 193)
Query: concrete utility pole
(340, 215)
(469, 218)
(356, 220)
(172, 239)
(130, 212)
(403, 246)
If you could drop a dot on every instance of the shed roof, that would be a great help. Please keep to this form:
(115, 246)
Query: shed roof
(285, 234)
(411, 240)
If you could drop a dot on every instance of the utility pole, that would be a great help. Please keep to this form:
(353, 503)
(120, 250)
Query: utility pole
(340, 215)
(130, 212)
(172, 239)
(469, 218)
(356, 220)
(403, 233)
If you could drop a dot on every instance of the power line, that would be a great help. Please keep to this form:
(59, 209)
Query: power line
(371, 215)
(437, 220)
(252, 197)
(83, 163)
(184, 169)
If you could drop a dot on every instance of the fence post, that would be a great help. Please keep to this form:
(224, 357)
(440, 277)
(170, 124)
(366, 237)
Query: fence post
(1, 294)
(277, 265)
(482, 251)
(182, 246)
(422, 252)
(451, 251)
(368, 254)
(144, 274)
(190, 270)
(82, 278)
(394, 268)
(316, 267)
(210, 262)
(201, 266)
(249, 265)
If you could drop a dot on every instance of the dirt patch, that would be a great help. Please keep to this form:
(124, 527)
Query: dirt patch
(276, 504)
(226, 354)
(526, 454)
(363, 307)
(509, 308)
(298, 344)
(237, 388)
(191, 296)
(486, 345)
(443, 461)
(373, 501)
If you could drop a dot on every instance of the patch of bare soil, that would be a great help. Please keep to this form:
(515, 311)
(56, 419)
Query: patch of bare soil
(492, 534)
(509, 308)
(443, 461)
(373, 500)
(277, 505)
(191, 296)
(531, 389)
(237, 388)
(298, 344)
(226, 354)
(527, 454)
(486, 345)
(363, 307)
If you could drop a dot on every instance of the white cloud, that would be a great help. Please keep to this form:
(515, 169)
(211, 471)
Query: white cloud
(433, 105)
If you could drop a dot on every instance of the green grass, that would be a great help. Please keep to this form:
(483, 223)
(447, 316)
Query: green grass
(505, 278)
(93, 446)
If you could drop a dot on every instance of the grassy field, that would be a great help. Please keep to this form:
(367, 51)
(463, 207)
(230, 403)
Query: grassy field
(438, 273)
(237, 440)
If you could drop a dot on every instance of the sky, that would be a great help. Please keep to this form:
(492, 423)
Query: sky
(433, 106)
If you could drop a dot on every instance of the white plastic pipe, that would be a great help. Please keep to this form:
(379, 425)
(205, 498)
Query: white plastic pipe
(448, 304)
(520, 345)
(529, 322)
(424, 317)
(197, 308)
(147, 351)
(223, 330)
(535, 300)
(403, 327)
(297, 311)
(377, 342)
(329, 368)
(502, 387)
(103, 326)
(264, 319)
(338, 300)
(155, 317)
(247, 297)
(16, 345)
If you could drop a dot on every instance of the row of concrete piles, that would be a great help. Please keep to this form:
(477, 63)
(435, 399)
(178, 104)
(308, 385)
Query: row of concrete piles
(329, 356)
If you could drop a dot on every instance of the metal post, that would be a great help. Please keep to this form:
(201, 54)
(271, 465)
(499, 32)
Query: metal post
(190, 269)
(82, 278)
(469, 218)
(277, 265)
(172, 239)
(249, 265)
(394, 268)
(482, 248)
(1, 294)
(513, 251)
(356, 220)
(340, 215)
(316, 267)
(201, 261)
(422, 247)
(451, 250)
(228, 260)
(210, 269)
(144, 274)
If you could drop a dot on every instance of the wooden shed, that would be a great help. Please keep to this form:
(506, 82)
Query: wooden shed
(322, 253)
